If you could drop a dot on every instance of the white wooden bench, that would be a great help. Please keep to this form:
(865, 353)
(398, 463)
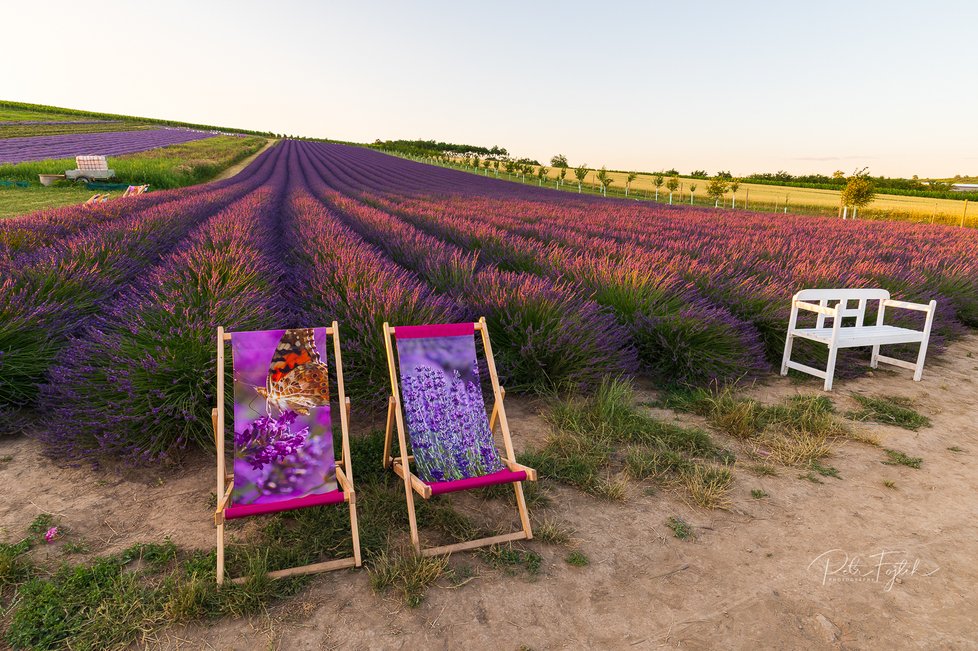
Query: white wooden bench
(834, 304)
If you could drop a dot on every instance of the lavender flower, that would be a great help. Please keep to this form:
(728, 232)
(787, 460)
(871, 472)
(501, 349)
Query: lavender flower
(270, 440)
(447, 422)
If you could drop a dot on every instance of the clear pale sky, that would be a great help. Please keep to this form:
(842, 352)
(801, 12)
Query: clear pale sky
(745, 86)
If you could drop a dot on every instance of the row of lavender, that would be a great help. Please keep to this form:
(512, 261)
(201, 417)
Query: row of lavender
(110, 143)
(671, 272)
(56, 289)
(113, 312)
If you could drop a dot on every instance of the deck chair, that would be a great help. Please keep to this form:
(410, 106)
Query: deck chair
(442, 409)
(98, 198)
(284, 456)
(134, 190)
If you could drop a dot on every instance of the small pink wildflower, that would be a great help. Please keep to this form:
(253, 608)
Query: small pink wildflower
(51, 534)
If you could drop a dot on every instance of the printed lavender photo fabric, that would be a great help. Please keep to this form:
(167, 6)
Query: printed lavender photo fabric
(444, 408)
(283, 441)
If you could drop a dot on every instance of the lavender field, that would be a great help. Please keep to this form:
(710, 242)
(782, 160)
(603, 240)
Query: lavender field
(111, 143)
(107, 315)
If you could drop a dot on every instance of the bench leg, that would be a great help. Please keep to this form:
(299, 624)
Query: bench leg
(919, 368)
(874, 361)
(787, 353)
(830, 368)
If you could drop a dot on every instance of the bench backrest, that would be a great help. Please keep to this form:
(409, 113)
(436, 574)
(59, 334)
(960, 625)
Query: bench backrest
(841, 299)
(91, 163)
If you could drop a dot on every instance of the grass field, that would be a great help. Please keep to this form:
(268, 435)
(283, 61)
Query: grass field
(167, 167)
(756, 196)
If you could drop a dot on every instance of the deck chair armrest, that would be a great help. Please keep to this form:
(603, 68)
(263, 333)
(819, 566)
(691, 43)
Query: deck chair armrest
(919, 307)
(811, 307)
(345, 484)
(421, 488)
(531, 474)
(223, 503)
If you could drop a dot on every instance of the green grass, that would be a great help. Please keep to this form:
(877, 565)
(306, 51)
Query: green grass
(680, 528)
(595, 439)
(794, 432)
(577, 558)
(889, 410)
(758, 494)
(897, 458)
(889, 483)
(19, 201)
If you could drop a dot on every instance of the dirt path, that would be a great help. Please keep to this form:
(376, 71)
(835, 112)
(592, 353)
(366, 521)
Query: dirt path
(750, 579)
(237, 167)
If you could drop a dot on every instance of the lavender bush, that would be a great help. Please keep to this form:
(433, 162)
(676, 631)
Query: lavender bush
(112, 143)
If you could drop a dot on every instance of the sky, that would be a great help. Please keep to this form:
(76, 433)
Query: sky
(740, 86)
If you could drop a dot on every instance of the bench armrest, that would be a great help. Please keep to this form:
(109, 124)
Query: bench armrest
(812, 307)
(919, 307)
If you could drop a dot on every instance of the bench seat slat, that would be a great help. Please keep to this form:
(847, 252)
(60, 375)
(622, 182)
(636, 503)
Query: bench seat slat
(862, 336)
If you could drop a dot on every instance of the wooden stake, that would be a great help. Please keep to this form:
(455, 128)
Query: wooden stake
(219, 442)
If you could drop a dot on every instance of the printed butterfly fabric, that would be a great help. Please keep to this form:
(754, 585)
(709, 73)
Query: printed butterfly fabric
(444, 408)
(283, 440)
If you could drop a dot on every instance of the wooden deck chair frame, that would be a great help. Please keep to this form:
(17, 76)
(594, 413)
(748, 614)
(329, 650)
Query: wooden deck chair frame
(401, 465)
(344, 468)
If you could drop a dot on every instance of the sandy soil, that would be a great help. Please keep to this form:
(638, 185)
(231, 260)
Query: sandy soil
(237, 167)
(755, 576)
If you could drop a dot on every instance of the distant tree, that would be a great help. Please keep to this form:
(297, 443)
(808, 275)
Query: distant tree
(716, 188)
(510, 166)
(838, 174)
(559, 161)
(486, 164)
(734, 186)
(672, 185)
(699, 174)
(542, 173)
(859, 192)
(605, 180)
(672, 172)
(724, 174)
(692, 191)
(476, 163)
(657, 181)
(628, 181)
(581, 173)
(495, 165)
(561, 176)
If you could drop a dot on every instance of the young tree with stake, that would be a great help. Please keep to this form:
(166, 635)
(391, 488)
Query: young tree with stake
(628, 181)
(734, 186)
(716, 188)
(692, 191)
(657, 181)
(859, 192)
(542, 174)
(581, 173)
(672, 185)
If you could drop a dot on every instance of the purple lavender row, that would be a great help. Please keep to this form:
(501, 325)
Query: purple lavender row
(20, 236)
(52, 293)
(549, 334)
(53, 122)
(112, 143)
(139, 383)
(344, 278)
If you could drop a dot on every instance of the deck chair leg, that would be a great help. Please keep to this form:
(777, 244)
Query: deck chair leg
(220, 553)
(524, 513)
(389, 433)
(830, 368)
(357, 561)
(787, 354)
(412, 518)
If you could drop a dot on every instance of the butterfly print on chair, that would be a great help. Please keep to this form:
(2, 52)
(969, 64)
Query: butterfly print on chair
(298, 380)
